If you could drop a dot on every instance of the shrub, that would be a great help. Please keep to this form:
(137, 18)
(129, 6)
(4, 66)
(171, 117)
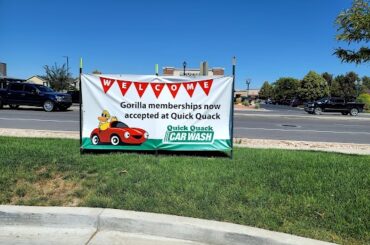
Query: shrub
(364, 98)
(238, 100)
(257, 106)
(245, 103)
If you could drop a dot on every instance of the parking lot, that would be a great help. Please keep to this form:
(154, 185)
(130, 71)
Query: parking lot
(272, 122)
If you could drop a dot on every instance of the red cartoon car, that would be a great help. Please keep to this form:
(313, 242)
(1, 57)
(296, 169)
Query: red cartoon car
(117, 133)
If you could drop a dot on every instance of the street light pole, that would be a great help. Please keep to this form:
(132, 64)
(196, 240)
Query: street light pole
(184, 65)
(248, 82)
(358, 86)
(67, 63)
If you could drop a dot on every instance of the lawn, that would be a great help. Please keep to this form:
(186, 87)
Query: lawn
(313, 194)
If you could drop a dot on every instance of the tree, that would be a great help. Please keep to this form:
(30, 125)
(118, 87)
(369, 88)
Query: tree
(354, 27)
(285, 88)
(345, 85)
(265, 91)
(364, 98)
(335, 89)
(328, 77)
(96, 72)
(313, 87)
(58, 77)
(366, 82)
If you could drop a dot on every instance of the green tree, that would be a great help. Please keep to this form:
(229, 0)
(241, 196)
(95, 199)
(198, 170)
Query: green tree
(345, 85)
(313, 87)
(366, 82)
(364, 98)
(328, 77)
(58, 77)
(285, 88)
(354, 27)
(96, 72)
(335, 89)
(265, 91)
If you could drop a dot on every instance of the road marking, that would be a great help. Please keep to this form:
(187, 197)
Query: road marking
(37, 120)
(300, 130)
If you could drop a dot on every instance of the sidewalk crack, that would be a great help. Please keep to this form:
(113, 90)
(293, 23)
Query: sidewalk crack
(97, 228)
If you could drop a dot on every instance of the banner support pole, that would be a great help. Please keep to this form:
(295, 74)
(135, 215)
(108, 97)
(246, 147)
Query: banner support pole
(80, 106)
(232, 109)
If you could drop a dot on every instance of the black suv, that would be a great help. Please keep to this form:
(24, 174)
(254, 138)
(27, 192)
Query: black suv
(334, 104)
(31, 94)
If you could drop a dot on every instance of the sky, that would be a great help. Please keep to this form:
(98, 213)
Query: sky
(269, 38)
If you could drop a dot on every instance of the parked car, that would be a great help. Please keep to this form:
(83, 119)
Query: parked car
(296, 102)
(117, 133)
(268, 101)
(75, 96)
(19, 93)
(334, 104)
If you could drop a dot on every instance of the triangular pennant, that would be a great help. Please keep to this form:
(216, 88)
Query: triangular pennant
(206, 85)
(141, 87)
(124, 86)
(190, 87)
(106, 83)
(157, 88)
(174, 88)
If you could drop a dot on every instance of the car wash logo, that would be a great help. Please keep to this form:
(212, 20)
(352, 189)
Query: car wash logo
(186, 134)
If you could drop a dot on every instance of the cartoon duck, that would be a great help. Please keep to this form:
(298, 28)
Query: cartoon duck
(104, 120)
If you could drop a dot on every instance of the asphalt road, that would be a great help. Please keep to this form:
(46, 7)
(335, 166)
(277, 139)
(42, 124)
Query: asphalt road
(277, 122)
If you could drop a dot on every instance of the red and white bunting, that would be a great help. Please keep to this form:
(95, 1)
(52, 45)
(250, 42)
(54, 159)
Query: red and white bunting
(174, 88)
(124, 86)
(106, 83)
(157, 88)
(190, 87)
(141, 87)
(206, 86)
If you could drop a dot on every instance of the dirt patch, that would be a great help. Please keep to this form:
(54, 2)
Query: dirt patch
(248, 108)
(52, 188)
(347, 148)
(38, 133)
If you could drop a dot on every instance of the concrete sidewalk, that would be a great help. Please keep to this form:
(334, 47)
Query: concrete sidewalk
(63, 225)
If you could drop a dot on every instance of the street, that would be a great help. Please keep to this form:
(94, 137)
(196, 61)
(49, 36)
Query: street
(275, 122)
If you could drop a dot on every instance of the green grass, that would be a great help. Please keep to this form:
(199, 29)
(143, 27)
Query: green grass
(313, 194)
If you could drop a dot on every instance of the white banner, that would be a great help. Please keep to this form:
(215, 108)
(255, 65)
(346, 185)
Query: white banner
(147, 112)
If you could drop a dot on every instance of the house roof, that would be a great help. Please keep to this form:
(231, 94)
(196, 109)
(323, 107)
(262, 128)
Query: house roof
(39, 77)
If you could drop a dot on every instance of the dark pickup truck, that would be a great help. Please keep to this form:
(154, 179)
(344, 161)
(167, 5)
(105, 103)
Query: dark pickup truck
(19, 93)
(333, 104)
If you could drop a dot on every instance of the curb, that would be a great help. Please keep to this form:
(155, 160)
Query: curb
(161, 225)
(364, 118)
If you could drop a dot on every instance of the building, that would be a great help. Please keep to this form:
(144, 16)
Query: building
(202, 71)
(37, 80)
(3, 69)
(5, 79)
(251, 93)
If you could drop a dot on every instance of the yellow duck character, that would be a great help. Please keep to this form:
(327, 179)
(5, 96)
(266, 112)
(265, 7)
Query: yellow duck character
(104, 120)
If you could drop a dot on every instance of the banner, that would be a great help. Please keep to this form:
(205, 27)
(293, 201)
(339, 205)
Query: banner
(147, 112)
